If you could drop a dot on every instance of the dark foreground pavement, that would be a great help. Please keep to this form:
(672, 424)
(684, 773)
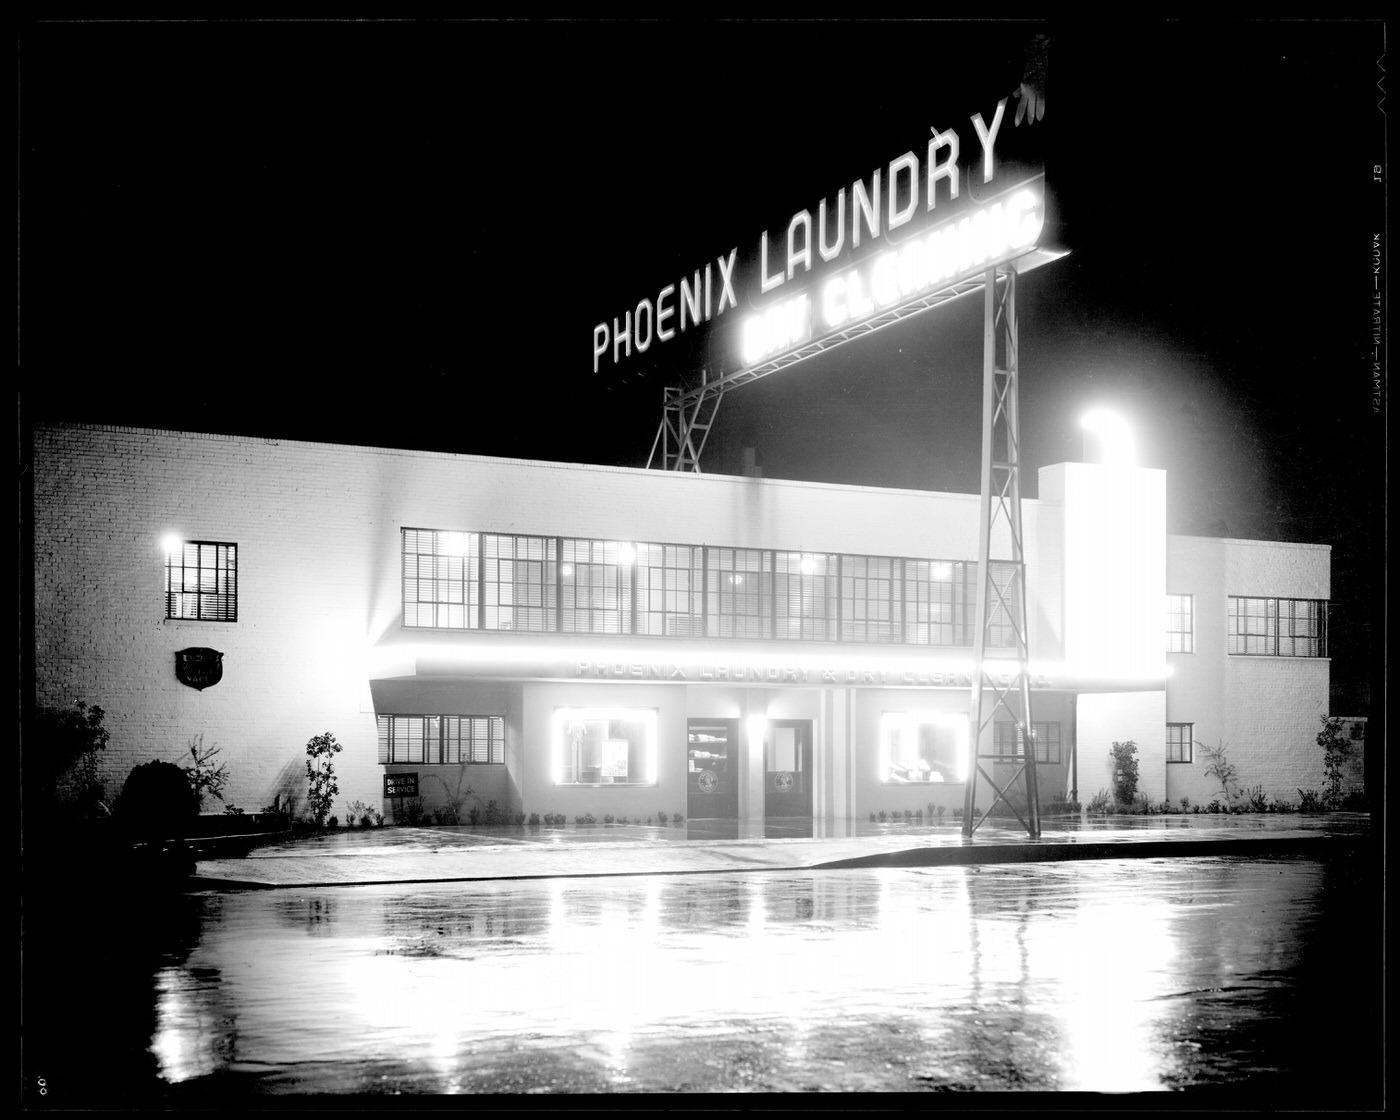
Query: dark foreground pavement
(462, 854)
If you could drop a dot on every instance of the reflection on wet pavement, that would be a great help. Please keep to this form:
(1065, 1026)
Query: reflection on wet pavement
(1107, 977)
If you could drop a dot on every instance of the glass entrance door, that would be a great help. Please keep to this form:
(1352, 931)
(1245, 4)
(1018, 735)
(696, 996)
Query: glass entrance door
(713, 763)
(787, 765)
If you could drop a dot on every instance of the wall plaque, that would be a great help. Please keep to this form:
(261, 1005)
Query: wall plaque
(199, 667)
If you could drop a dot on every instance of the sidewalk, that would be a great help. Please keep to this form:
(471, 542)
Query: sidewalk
(449, 854)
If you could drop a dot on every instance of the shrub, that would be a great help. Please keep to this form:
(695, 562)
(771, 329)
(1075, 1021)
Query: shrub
(585, 818)
(61, 760)
(320, 776)
(358, 811)
(534, 820)
(607, 818)
(493, 814)
(157, 802)
(1185, 804)
(1125, 771)
(1255, 801)
(519, 817)
(676, 818)
(1101, 802)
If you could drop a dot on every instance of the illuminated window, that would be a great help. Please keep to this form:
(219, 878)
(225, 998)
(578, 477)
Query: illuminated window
(872, 602)
(1179, 739)
(804, 589)
(1008, 742)
(1278, 627)
(741, 593)
(670, 590)
(201, 581)
(922, 748)
(440, 578)
(442, 740)
(518, 588)
(604, 746)
(1181, 624)
(595, 587)
(939, 599)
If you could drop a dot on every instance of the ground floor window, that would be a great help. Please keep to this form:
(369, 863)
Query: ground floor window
(442, 740)
(1008, 742)
(922, 747)
(1179, 742)
(604, 746)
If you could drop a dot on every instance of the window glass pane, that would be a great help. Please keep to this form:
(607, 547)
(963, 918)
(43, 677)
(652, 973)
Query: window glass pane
(921, 748)
(605, 746)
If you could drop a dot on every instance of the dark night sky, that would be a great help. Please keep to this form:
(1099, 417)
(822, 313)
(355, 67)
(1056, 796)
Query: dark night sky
(403, 234)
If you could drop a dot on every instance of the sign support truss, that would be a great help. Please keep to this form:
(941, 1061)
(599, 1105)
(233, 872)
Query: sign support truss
(685, 425)
(1001, 603)
(688, 413)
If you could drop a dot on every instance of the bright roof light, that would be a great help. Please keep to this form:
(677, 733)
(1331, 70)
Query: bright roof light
(1117, 447)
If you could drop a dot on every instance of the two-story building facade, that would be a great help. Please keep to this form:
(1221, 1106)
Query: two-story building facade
(567, 638)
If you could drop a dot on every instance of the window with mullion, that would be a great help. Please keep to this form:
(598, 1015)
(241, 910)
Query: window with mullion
(805, 596)
(1277, 627)
(670, 590)
(201, 582)
(740, 592)
(441, 740)
(440, 578)
(595, 581)
(1179, 739)
(1181, 624)
(519, 583)
(871, 599)
(1008, 742)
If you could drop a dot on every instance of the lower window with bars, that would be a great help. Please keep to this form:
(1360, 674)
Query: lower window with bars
(442, 740)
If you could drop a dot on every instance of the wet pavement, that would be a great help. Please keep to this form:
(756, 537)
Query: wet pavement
(459, 854)
(1249, 974)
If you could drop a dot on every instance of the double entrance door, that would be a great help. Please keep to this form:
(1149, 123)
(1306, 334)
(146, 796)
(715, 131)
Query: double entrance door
(714, 762)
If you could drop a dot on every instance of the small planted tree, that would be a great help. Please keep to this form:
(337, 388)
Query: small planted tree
(1125, 772)
(1335, 748)
(1222, 769)
(207, 777)
(321, 786)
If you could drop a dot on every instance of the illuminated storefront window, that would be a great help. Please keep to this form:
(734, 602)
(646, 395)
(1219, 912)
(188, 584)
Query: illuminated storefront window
(604, 746)
(201, 581)
(1181, 629)
(922, 747)
(1008, 742)
(442, 740)
(1278, 627)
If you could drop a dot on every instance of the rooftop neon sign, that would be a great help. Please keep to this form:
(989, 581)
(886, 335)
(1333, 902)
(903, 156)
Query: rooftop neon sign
(874, 247)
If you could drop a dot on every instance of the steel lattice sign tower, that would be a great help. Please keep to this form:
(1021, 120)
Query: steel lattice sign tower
(912, 236)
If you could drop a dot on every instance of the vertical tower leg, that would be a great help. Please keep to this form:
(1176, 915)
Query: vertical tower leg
(1001, 596)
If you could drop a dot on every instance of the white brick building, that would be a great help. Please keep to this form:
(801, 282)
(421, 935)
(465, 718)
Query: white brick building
(584, 639)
